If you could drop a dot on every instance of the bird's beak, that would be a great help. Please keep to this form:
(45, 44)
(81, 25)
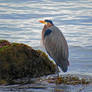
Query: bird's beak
(41, 21)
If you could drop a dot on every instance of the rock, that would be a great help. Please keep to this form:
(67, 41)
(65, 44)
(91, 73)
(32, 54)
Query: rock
(19, 60)
(69, 80)
(4, 43)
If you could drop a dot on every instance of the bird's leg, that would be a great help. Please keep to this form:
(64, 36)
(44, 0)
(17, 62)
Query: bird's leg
(57, 71)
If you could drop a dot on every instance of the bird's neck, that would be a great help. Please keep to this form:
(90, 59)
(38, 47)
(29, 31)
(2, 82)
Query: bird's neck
(45, 28)
(43, 31)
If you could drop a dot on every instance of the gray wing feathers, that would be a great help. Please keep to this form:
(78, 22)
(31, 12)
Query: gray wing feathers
(57, 48)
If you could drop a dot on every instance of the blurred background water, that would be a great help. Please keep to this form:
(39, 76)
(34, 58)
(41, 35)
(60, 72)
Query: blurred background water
(19, 23)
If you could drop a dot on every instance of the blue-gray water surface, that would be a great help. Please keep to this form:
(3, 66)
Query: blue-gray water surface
(19, 23)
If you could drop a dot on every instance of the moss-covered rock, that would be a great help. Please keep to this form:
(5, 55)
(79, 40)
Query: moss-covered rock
(4, 43)
(19, 61)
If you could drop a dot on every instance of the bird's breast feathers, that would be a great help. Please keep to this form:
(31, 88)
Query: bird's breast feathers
(47, 32)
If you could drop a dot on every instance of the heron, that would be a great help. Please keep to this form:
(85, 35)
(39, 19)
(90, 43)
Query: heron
(55, 44)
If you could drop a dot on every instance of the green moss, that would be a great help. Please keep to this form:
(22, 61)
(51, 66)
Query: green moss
(43, 54)
(3, 82)
(1, 41)
(4, 42)
(45, 57)
(3, 48)
(19, 60)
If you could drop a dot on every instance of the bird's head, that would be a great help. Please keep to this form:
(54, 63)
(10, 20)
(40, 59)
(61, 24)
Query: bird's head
(48, 23)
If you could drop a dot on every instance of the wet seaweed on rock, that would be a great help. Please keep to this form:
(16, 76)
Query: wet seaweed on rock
(69, 80)
(19, 60)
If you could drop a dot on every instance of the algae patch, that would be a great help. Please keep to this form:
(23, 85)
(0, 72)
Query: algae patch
(19, 60)
(69, 80)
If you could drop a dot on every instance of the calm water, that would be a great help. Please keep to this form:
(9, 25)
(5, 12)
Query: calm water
(19, 23)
